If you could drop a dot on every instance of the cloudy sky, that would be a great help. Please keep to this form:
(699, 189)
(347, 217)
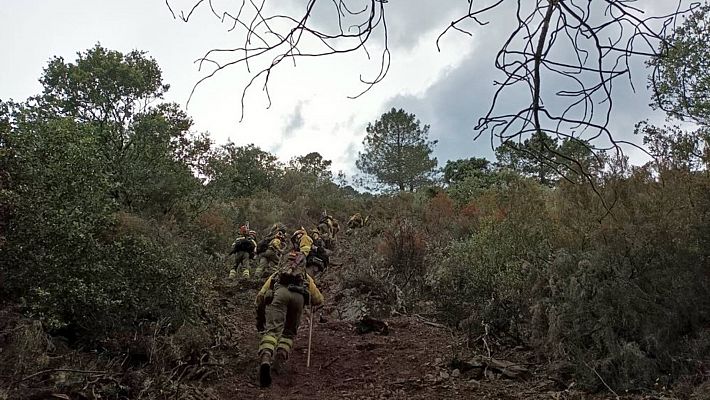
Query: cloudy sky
(310, 109)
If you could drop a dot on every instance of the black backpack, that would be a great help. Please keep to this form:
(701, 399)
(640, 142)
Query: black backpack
(263, 245)
(243, 244)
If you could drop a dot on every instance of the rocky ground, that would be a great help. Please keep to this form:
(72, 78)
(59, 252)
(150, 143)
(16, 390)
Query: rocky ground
(412, 359)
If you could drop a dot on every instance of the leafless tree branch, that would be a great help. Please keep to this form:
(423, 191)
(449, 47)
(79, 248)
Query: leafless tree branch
(566, 54)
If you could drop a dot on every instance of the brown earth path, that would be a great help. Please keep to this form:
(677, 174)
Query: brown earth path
(411, 362)
(408, 363)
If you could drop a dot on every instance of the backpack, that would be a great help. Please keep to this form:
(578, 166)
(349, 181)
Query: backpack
(243, 244)
(293, 270)
(263, 244)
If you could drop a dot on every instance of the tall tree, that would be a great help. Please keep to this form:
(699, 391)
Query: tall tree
(397, 151)
(90, 158)
(545, 159)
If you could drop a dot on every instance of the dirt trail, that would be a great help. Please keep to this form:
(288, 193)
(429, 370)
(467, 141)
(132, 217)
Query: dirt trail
(408, 363)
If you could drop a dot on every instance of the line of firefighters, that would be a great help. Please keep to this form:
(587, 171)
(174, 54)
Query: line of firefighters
(267, 252)
(289, 284)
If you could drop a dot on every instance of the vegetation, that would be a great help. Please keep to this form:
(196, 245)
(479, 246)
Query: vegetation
(115, 217)
(397, 151)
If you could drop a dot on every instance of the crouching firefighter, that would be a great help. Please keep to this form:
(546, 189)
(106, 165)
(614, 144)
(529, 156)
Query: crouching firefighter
(280, 304)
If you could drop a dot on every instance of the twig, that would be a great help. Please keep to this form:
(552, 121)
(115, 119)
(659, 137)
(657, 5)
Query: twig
(601, 379)
(329, 363)
(434, 324)
(485, 342)
(60, 370)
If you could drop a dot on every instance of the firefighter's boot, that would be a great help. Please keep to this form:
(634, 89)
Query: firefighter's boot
(265, 369)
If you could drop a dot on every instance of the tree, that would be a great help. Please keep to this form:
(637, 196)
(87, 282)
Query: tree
(5, 193)
(95, 168)
(547, 160)
(397, 151)
(148, 151)
(313, 164)
(104, 87)
(675, 148)
(534, 157)
(457, 171)
(681, 76)
(681, 87)
(237, 171)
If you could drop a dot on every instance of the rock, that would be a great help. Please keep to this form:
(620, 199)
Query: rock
(437, 361)
(350, 308)
(444, 375)
(455, 373)
(368, 324)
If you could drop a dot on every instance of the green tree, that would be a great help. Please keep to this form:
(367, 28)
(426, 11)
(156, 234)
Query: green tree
(535, 157)
(104, 87)
(578, 160)
(313, 164)
(675, 148)
(148, 151)
(5, 193)
(681, 87)
(93, 165)
(238, 171)
(681, 77)
(547, 160)
(397, 151)
(458, 170)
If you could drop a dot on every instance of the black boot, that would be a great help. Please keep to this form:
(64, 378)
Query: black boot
(265, 369)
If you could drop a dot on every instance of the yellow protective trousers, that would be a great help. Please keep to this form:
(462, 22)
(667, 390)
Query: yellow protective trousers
(283, 316)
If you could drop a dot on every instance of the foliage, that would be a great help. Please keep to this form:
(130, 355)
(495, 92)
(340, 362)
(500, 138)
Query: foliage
(115, 216)
(99, 179)
(457, 171)
(397, 151)
(313, 164)
(676, 148)
(547, 160)
(236, 171)
(614, 291)
(484, 275)
(681, 81)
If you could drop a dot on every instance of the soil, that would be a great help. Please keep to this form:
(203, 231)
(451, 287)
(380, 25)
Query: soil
(412, 361)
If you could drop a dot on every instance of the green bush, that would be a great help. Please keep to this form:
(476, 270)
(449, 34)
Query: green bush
(614, 290)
